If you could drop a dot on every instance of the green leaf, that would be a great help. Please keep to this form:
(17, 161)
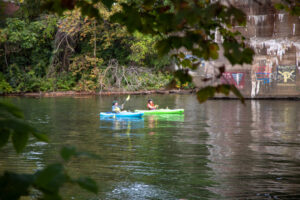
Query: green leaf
(224, 88)
(19, 140)
(181, 55)
(186, 63)
(51, 178)
(4, 136)
(130, 17)
(235, 53)
(20, 131)
(88, 184)
(67, 152)
(108, 3)
(237, 93)
(13, 186)
(16, 125)
(279, 6)
(214, 51)
(163, 47)
(205, 93)
(183, 76)
(41, 137)
(209, 92)
(88, 9)
(247, 55)
(239, 15)
(10, 108)
(53, 6)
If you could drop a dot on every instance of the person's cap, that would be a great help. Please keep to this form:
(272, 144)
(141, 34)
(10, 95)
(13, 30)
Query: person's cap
(114, 102)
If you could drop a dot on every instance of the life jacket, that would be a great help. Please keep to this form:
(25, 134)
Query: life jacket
(151, 106)
(116, 109)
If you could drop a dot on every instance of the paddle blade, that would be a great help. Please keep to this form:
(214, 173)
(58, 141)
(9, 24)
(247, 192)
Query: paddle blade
(127, 99)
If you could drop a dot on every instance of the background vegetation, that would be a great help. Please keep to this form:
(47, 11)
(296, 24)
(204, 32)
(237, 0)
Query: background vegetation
(40, 51)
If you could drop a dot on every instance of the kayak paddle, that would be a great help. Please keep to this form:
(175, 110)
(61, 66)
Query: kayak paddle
(127, 99)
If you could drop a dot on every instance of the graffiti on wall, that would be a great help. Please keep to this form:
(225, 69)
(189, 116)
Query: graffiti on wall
(261, 74)
(286, 75)
(234, 78)
(264, 74)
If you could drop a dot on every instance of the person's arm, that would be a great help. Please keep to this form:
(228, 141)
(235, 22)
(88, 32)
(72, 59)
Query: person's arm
(116, 109)
(151, 107)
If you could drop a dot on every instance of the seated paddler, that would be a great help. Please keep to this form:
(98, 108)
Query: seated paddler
(115, 107)
(151, 105)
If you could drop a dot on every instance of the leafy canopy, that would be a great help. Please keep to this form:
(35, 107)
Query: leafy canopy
(179, 26)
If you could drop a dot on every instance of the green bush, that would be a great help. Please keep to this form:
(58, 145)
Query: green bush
(4, 86)
(65, 82)
(47, 85)
(150, 81)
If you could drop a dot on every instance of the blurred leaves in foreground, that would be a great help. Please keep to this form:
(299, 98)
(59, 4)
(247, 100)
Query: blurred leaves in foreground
(13, 126)
(210, 91)
(47, 181)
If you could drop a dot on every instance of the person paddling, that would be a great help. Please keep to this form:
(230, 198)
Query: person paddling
(115, 108)
(151, 105)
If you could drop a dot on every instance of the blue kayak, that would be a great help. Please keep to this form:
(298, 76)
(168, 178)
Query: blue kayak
(121, 114)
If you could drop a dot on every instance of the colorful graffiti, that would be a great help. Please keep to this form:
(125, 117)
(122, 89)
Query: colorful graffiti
(264, 74)
(286, 75)
(235, 78)
(261, 74)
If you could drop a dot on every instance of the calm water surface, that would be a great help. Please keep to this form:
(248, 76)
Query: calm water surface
(217, 150)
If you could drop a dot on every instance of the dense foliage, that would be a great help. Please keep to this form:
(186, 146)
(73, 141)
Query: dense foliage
(75, 50)
(46, 52)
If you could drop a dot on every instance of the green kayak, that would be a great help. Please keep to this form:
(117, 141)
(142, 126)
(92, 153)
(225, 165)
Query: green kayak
(161, 111)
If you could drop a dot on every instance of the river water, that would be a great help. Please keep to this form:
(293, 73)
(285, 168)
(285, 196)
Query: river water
(216, 150)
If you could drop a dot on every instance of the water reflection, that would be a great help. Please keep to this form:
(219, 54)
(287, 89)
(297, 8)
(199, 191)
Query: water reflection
(137, 191)
(259, 141)
(121, 123)
(151, 121)
(217, 150)
(164, 120)
(167, 117)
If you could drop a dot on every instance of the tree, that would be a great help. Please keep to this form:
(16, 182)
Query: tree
(178, 25)
(182, 25)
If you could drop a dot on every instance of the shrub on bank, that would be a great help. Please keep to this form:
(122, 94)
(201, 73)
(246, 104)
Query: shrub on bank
(4, 86)
(140, 80)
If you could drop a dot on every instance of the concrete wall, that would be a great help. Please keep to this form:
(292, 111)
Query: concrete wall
(275, 37)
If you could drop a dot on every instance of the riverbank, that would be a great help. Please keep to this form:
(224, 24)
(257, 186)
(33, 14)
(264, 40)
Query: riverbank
(146, 92)
(75, 93)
